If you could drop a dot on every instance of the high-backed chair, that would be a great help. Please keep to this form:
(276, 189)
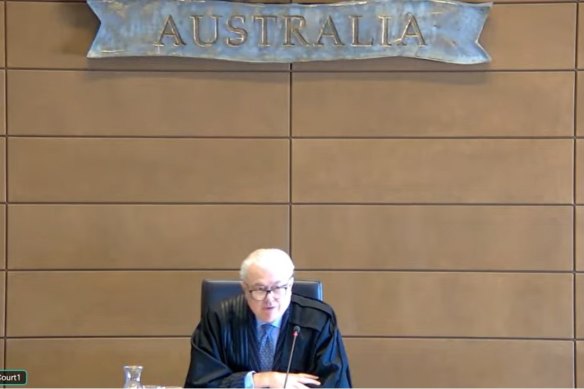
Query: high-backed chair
(214, 291)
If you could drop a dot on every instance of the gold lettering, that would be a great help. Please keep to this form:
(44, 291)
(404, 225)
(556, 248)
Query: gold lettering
(197, 33)
(263, 19)
(240, 31)
(170, 30)
(413, 23)
(329, 30)
(355, 32)
(294, 29)
(385, 30)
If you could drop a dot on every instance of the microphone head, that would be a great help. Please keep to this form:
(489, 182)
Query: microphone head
(296, 331)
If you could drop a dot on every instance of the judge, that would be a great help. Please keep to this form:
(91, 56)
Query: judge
(246, 341)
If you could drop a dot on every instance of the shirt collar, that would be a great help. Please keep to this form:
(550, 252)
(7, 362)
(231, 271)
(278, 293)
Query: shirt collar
(276, 323)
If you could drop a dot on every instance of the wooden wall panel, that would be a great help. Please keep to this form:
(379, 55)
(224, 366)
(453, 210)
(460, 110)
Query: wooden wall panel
(456, 363)
(122, 303)
(432, 171)
(148, 170)
(3, 105)
(2, 35)
(443, 304)
(579, 364)
(579, 307)
(372, 237)
(579, 249)
(580, 49)
(3, 245)
(153, 104)
(141, 236)
(3, 312)
(3, 184)
(580, 104)
(579, 175)
(433, 104)
(83, 363)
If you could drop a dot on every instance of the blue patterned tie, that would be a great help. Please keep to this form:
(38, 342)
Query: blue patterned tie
(266, 348)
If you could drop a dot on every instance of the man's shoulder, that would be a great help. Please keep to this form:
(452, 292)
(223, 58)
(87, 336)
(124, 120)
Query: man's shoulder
(312, 304)
(311, 312)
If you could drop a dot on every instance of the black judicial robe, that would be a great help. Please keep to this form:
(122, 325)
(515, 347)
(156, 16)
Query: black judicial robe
(224, 347)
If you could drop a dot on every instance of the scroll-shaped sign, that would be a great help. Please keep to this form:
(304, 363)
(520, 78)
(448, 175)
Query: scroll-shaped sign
(440, 30)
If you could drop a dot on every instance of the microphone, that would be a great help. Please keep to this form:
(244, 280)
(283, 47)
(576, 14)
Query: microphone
(295, 333)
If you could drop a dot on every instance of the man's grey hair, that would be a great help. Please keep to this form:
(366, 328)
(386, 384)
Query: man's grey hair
(268, 258)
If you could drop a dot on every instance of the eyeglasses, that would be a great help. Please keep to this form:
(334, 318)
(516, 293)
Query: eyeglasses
(277, 291)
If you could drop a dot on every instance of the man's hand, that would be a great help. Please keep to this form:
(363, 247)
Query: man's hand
(272, 379)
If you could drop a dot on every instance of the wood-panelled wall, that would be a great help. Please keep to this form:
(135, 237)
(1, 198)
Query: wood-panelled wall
(442, 206)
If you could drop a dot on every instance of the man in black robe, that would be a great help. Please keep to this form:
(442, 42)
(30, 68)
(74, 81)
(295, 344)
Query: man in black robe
(228, 347)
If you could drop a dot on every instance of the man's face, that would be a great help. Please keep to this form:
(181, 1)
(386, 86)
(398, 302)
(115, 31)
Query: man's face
(278, 285)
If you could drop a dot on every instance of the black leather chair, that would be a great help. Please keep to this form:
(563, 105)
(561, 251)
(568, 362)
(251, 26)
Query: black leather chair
(214, 291)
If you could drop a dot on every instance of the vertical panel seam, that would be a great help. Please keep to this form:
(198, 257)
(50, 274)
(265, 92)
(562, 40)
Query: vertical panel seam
(574, 208)
(5, 183)
(290, 138)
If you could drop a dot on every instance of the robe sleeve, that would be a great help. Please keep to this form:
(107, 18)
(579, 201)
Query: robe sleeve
(208, 367)
(331, 363)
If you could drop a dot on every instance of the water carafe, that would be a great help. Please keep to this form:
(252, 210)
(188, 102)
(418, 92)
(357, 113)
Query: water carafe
(132, 376)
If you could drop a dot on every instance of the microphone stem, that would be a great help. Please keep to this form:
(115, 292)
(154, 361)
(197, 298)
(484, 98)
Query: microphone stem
(290, 358)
